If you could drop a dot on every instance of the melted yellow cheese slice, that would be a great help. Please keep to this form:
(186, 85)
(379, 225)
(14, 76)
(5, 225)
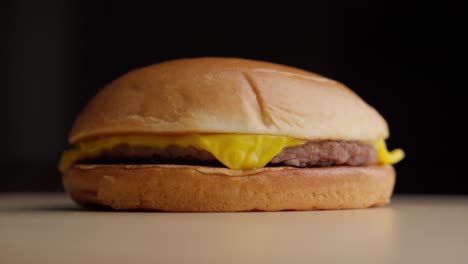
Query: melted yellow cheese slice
(387, 157)
(239, 152)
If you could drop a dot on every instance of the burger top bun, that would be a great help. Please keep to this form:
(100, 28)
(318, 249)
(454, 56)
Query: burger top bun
(228, 95)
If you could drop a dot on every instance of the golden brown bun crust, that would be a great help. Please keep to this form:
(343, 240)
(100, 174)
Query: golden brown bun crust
(227, 95)
(197, 188)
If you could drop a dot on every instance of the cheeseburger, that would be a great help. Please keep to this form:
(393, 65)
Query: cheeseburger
(225, 134)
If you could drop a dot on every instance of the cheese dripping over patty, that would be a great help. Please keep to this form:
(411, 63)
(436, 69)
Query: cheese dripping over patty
(239, 152)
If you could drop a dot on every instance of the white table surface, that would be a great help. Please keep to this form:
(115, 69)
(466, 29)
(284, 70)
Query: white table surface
(49, 228)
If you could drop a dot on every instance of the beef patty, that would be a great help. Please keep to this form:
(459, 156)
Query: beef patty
(310, 154)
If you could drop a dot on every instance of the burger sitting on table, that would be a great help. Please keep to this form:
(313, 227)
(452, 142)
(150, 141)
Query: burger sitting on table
(227, 134)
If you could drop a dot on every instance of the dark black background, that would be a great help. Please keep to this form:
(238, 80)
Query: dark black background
(399, 57)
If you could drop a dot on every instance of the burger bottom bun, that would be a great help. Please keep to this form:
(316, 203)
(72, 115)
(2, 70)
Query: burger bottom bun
(210, 189)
